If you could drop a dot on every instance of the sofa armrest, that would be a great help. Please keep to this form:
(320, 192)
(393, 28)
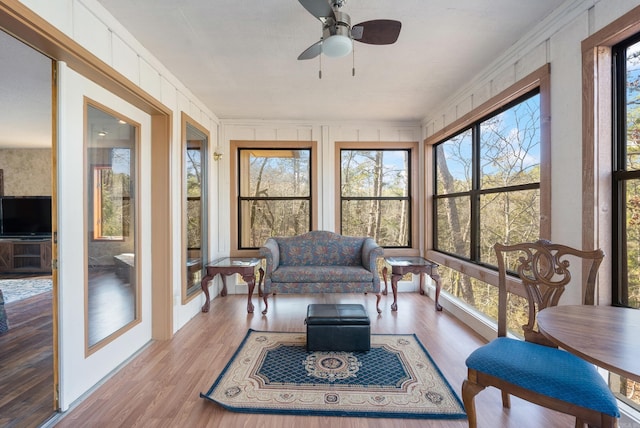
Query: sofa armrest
(271, 252)
(370, 253)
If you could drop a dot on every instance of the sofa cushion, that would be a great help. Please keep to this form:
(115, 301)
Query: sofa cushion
(320, 248)
(321, 274)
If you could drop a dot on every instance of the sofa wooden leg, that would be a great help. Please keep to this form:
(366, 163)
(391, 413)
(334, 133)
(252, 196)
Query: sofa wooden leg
(265, 296)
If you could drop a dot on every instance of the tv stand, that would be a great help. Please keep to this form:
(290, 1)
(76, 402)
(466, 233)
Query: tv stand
(29, 255)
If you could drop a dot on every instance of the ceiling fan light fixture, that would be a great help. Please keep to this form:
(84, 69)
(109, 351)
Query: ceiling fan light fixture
(337, 45)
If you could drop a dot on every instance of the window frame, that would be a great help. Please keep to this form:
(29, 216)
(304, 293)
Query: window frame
(620, 174)
(474, 194)
(540, 78)
(414, 245)
(597, 142)
(597, 150)
(235, 171)
(191, 291)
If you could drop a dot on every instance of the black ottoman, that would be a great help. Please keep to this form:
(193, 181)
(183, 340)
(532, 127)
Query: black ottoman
(337, 328)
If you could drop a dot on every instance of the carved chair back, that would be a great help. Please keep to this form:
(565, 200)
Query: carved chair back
(545, 271)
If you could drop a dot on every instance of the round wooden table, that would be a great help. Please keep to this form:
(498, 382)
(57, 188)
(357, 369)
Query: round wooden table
(606, 336)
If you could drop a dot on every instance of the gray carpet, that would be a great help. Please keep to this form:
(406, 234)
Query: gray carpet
(14, 290)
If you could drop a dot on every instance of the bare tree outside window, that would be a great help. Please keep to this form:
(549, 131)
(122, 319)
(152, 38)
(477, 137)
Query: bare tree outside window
(487, 190)
(375, 195)
(275, 194)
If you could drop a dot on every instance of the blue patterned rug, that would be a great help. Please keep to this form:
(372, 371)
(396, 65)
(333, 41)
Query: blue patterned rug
(272, 372)
(18, 289)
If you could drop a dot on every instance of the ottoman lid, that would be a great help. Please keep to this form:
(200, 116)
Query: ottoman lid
(336, 314)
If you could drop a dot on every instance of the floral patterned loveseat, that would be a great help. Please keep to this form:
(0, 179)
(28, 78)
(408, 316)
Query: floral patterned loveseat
(321, 262)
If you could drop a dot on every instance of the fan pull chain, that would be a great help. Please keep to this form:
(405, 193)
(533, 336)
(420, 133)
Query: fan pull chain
(320, 70)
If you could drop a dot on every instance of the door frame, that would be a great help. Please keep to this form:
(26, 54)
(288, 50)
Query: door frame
(23, 24)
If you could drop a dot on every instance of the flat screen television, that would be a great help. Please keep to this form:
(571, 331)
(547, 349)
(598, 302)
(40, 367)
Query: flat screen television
(25, 216)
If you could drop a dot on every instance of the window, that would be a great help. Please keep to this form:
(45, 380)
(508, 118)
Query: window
(111, 197)
(610, 96)
(195, 140)
(487, 183)
(376, 192)
(274, 191)
(491, 182)
(626, 174)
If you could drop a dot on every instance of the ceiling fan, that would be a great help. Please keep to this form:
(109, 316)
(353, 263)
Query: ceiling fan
(338, 34)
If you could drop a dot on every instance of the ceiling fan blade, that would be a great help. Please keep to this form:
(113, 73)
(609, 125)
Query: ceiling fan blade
(377, 32)
(312, 51)
(321, 9)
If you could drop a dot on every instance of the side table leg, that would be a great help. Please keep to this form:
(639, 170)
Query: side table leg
(251, 282)
(436, 278)
(223, 292)
(204, 284)
(394, 289)
(261, 272)
(384, 277)
(265, 298)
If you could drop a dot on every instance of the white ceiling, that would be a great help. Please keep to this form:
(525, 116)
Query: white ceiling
(239, 57)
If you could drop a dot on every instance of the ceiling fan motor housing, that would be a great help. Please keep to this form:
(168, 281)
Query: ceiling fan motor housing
(336, 36)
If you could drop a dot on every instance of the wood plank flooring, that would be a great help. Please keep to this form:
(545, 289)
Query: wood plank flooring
(26, 363)
(161, 386)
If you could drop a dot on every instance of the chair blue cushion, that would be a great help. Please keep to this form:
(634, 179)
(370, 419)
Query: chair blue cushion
(548, 371)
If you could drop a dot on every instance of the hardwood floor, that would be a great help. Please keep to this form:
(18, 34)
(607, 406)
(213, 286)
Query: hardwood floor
(26, 363)
(160, 387)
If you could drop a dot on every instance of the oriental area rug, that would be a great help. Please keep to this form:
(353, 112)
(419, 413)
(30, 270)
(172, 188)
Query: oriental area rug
(274, 373)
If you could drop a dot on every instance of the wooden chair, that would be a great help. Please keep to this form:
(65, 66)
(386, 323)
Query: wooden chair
(534, 369)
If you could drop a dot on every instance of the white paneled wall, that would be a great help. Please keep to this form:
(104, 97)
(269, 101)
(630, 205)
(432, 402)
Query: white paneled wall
(326, 135)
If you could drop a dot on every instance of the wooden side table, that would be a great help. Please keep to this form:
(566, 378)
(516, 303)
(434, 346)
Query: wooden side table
(401, 266)
(245, 267)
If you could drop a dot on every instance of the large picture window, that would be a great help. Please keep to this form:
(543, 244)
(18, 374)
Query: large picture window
(491, 183)
(487, 183)
(274, 195)
(376, 193)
